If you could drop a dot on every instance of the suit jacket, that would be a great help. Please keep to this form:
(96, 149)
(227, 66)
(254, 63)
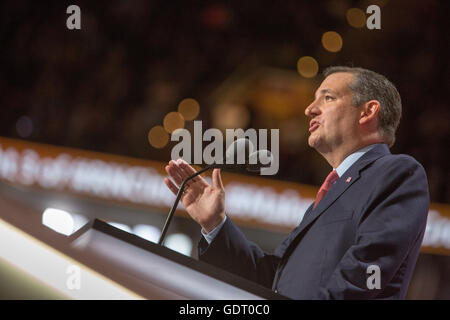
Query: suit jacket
(375, 218)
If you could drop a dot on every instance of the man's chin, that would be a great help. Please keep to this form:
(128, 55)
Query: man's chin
(312, 142)
(315, 143)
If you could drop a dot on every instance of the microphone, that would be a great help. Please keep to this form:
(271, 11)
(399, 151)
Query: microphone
(238, 149)
(258, 160)
(236, 155)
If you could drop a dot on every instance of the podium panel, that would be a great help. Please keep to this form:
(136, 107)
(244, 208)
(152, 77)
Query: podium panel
(157, 272)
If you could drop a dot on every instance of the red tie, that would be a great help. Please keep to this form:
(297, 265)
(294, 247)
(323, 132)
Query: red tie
(326, 185)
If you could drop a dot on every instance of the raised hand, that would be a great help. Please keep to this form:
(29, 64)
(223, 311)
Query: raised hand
(205, 203)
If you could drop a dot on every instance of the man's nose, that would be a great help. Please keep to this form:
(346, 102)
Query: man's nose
(311, 110)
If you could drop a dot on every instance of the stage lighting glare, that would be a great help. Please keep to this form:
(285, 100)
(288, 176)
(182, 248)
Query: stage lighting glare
(356, 17)
(332, 41)
(173, 121)
(148, 232)
(307, 67)
(189, 108)
(58, 220)
(158, 137)
(78, 221)
(120, 226)
(179, 242)
(54, 269)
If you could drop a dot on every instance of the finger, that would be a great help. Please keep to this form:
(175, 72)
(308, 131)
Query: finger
(171, 186)
(174, 172)
(188, 171)
(181, 172)
(217, 179)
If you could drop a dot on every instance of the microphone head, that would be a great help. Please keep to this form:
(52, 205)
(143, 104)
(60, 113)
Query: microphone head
(258, 160)
(238, 152)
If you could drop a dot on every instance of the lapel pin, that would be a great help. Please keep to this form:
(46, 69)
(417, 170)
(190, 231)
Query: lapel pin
(348, 179)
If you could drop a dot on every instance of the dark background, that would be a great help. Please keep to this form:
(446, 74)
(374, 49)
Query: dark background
(105, 86)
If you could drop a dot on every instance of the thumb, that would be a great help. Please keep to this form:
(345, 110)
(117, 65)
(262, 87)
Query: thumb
(217, 179)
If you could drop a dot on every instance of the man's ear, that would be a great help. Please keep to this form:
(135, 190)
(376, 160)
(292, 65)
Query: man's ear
(369, 112)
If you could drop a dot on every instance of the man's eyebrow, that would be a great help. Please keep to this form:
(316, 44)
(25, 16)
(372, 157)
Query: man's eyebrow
(324, 91)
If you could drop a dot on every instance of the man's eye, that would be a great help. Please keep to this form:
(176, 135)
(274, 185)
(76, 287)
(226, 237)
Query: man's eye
(328, 98)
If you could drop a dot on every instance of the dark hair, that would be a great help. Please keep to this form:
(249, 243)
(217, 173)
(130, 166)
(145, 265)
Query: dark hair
(369, 85)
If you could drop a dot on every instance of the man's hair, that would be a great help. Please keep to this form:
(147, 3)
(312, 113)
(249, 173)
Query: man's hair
(369, 85)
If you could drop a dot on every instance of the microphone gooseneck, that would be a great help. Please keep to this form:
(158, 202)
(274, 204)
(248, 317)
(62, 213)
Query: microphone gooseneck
(177, 200)
(253, 162)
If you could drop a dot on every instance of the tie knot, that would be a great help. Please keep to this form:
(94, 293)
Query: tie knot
(326, 185)
(331, 178)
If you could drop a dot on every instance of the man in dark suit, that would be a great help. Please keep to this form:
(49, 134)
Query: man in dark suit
(360, 239)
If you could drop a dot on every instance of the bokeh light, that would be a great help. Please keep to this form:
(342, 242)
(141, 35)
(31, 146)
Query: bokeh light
(231, 115)
(173, 121)
(307, 67)
(24, 126)
(148, 232)
(58, 220)
(356, 17)
(332, 41)
(189, 108)
(158, 137)
(180, 242)
(216, 16)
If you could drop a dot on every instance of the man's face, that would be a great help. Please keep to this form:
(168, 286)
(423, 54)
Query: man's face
(334, 120)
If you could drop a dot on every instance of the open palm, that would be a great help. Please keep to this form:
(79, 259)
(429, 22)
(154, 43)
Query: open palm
(205, 203)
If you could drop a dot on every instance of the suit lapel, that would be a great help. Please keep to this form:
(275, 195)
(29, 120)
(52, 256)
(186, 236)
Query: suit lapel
(335, 191)
(286, 243)
(339, 187)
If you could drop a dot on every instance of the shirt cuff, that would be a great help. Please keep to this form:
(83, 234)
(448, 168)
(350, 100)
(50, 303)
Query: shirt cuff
(209, 237)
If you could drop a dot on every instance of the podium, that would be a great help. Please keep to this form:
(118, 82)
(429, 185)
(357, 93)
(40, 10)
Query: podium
(156, 272)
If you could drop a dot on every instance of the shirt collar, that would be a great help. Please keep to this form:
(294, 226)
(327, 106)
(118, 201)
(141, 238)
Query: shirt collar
(351, 159)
